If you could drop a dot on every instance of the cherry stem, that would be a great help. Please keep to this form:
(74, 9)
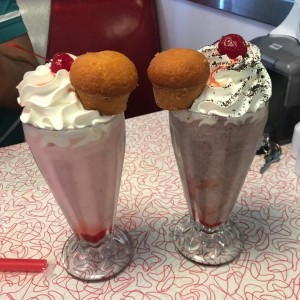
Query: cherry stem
(28, 51)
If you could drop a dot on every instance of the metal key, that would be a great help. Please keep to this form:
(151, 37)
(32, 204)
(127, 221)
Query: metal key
(272, 159)
(272, 154)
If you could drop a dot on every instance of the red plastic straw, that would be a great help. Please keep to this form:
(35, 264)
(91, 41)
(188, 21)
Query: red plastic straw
(27, 51)
(22, 265)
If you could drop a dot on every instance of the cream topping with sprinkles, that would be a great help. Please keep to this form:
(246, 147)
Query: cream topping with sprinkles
(235, 86)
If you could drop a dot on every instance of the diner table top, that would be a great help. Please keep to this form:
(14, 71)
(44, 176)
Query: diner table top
(151, 202)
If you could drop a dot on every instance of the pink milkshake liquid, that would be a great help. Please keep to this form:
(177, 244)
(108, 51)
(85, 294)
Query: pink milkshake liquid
(83, 169)
(213, 155)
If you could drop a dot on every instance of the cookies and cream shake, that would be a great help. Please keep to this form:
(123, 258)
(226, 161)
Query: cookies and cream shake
(214, 142)
(216, 139)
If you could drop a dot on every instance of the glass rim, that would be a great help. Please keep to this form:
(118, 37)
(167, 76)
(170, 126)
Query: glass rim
(188, 110)
(113, 117)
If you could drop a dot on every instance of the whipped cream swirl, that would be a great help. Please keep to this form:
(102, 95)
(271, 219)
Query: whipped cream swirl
(50, 101)
(235, 86)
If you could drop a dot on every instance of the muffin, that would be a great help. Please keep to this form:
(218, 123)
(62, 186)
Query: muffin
(178, 76)
(104, 80)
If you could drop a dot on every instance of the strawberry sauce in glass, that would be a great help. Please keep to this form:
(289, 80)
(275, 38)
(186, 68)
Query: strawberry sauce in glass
(83, 169)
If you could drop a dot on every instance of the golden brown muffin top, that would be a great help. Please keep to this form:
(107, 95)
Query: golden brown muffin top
(109, 73)
(178, 68)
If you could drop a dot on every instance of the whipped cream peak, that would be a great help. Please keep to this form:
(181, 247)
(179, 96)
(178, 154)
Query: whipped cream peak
(235, 86)
(50, 101)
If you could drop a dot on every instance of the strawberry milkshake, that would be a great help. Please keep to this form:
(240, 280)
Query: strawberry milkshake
(80, 153)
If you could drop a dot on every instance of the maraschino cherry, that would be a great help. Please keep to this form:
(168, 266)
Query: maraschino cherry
(61, 61)
(233, 45)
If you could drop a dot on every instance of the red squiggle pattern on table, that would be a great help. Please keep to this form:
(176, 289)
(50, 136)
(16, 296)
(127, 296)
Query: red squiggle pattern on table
(151, 202)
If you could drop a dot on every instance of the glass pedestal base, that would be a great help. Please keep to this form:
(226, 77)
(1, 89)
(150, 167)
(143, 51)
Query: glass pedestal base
(208, 246)
(89, 262)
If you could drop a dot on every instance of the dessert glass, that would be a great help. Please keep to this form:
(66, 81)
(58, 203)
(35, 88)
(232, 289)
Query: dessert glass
(83, 169)
(213, 155)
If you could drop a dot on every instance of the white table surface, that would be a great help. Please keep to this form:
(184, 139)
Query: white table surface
(151, 201)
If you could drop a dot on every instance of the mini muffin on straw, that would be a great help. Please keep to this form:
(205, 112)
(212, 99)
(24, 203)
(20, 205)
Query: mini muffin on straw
(104, 80)
(178, 76)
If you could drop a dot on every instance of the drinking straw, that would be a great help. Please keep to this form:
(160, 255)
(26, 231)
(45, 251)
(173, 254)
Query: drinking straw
(28, 51)
(22, 265)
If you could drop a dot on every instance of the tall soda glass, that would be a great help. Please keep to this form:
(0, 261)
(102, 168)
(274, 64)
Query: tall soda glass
(213, 155)
(83, 169)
